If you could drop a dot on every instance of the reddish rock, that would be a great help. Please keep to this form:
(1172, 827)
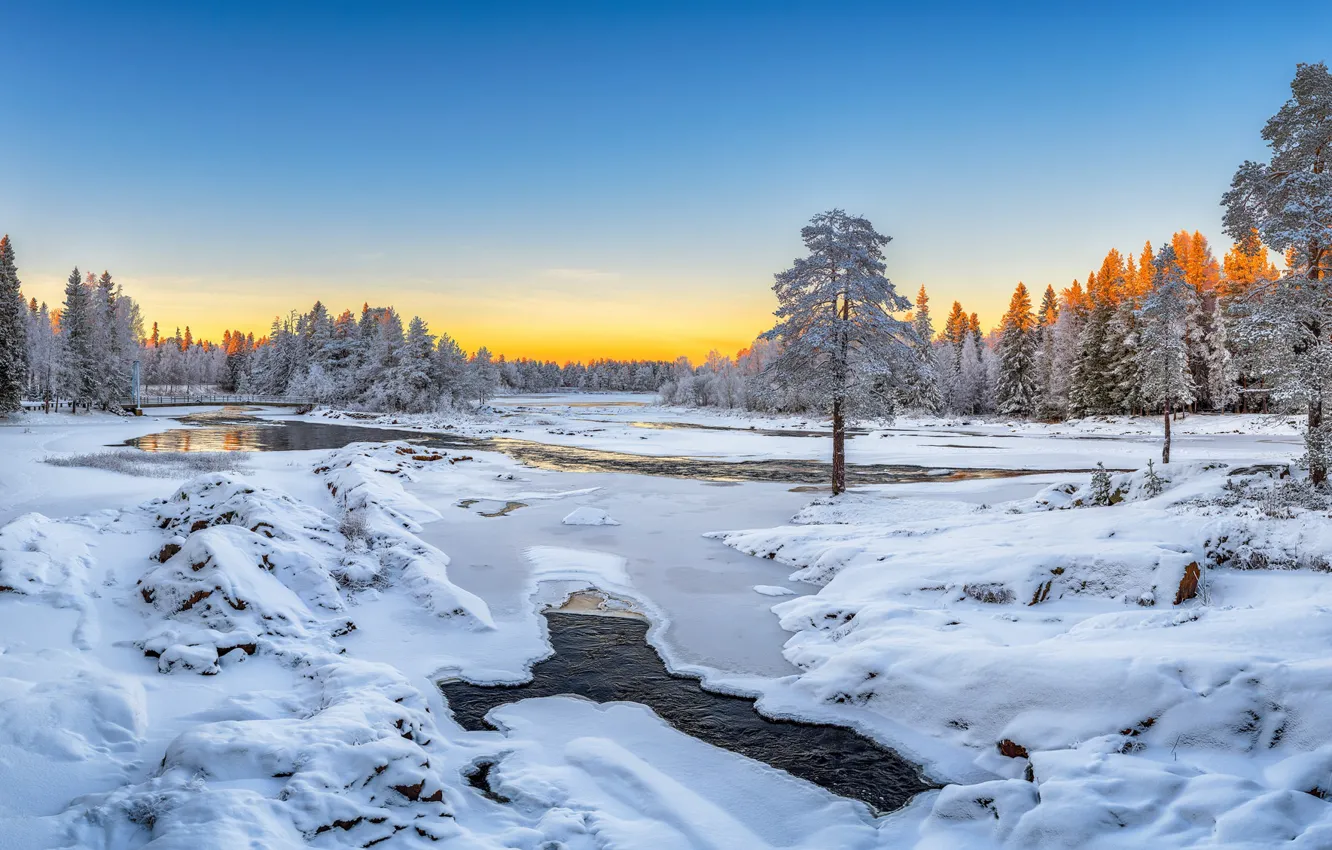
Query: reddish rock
(1188, 585)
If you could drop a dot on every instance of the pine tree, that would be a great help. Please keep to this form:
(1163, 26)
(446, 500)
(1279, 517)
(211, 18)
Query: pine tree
(1047, 406)
(78, 374)
(450, 370)
(1246, 271)
(13, 333)
(1017, 389)
(43, 354)
(922, 389)
(1246, 266)
(1288, 200)
(1088, 391)
(1163, 357)
(1069, 325)
(841, 347)
(483, 375)
(1099, 491)
(408, 384)
(956, 328)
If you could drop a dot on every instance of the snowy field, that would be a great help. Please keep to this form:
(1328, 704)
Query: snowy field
(245, 655)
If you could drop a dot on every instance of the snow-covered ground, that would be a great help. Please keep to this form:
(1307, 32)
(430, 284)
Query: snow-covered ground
(246, 657)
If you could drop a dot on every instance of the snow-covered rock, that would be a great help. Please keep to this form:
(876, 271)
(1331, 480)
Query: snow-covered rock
(588, 516)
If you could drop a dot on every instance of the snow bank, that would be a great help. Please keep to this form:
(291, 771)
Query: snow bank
(1077, 651)
(47, 561)
(353, 758)
(366, 481)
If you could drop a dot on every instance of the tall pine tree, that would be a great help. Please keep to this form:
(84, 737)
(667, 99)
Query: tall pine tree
(1288, 200)
(1017, 357)
(841, 346)
(1162, 350)
(13, 333)
(78, 343)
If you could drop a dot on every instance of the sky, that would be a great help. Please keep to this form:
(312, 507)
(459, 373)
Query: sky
(580, 180)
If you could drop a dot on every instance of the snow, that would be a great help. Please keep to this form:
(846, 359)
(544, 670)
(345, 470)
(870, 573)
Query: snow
(247, 658)
(588, 516)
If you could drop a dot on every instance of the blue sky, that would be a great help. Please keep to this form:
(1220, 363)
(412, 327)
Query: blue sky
(584, 179)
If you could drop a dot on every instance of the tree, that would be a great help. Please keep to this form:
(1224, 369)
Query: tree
(43, 354)
(1046, 322)
(77, 336)
(450, 369)
(922, 389)
(841, 347)
(1288, 200)
(13, 332)
(1246, 265)
(1017, 357)
(483, 375)
(408, 383)
(1162, 347)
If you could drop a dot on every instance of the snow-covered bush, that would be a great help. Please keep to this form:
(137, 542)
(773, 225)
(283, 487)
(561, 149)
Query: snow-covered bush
(154, 464)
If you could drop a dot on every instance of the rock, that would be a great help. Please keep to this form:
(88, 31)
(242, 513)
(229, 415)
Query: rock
(1188, 585)
(993, 593)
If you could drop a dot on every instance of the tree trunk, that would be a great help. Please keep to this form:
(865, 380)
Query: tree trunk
(1317, 466)
(839, 449)
(1165, 448)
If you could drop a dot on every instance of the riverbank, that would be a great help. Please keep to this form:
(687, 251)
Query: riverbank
(989, 629)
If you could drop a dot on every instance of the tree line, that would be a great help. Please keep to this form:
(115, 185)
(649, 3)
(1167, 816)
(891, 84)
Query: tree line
(1163, 331)
(81, 352)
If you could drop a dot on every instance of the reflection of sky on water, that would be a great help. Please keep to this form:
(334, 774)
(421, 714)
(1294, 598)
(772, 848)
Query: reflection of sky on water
(247, 434)
(233, 438)
(231, 431)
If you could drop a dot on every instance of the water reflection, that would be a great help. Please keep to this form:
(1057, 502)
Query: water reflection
(239, 432)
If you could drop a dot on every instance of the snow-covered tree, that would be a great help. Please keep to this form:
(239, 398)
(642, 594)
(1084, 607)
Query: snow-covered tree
(920, 390)
(406, 383)
(43, 354)
(13, 332)
(1047, 318)
(1017, 387)
(483, 376)
(1288, 200)
(841, 348)
(78, 375)
(1162, 346)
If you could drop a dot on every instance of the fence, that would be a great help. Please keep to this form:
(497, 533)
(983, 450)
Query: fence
(215, 398)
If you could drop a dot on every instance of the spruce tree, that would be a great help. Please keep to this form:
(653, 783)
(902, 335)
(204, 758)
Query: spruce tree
(1047, 405)
(77, 335)
(13, 333)
(1088, 390)
(1017, 389)
(923, 388)
(1163, 358)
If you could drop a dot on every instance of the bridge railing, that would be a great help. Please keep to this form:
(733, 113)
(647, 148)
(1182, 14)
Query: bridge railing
(215, 398)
